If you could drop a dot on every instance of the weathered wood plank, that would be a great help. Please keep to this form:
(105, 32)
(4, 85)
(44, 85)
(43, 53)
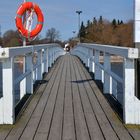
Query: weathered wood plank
(4, 131)
(115, 123)
(92, 123)
(21, 125)
(80, 122)
(134, 131)
(43, 130)
(69, 107)
(32, 125)
(68, 124)
(57, 120)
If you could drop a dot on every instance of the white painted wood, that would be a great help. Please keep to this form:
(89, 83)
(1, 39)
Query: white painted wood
(131, 103)
(93, 67)
(107, 67)
(8, 92)
(23, 82)
(4, 53)
(39, 63)
(1, 110)
(116, 50)
(53, 56)
(46, 60)
(49, 58)
(98, 72)
(90, 52)
(29, 78)
(137, 21)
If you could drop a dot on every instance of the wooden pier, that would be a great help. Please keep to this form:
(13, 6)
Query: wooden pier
(69, 106)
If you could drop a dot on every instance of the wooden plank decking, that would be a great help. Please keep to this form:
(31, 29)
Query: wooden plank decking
(69, 107)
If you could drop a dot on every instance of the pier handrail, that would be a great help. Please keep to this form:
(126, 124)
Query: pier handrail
(45, 55)
(90, 54)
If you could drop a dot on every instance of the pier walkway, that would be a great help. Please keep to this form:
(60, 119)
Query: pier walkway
(68, 106)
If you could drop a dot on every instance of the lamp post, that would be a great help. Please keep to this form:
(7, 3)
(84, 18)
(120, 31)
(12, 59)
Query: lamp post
(79, 12)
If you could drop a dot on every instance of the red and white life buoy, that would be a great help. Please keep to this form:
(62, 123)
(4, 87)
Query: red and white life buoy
(28, 6)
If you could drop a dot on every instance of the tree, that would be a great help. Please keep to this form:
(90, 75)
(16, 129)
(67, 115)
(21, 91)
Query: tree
(94, 21)
(52, 35)
(114, 23)
(1, 42)
(82, 31)
(11, 38)
(100, 20)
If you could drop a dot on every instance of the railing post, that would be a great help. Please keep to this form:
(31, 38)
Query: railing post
(39, 63)
(23, 82)
(131, 103)
(107, 67)
(90, 52)
(49, 57)
(29, 78)
(53, 56)
(87, 57)
(93, 59)
(45, 60)
(98, 72)
(8, 92)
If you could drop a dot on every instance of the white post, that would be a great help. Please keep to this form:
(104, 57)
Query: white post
(86, 53)
(23, 82)
(98, 72)
(90, 59)
(39, 69)
(49, 57)
(107, 67)
(93, 63)
(29, 78)
(52, 56)
(8, 92)
(45, 60)
(131, 104)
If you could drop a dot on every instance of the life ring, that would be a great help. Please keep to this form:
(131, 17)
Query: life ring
(28, 6)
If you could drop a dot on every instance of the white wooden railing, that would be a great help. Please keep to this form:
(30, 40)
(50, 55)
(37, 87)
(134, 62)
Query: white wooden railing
(90, 55)
(45, 57)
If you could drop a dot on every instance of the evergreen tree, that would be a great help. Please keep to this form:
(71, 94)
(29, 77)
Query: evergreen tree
(100, 20)
(88, 23)
(118, 22)
(94, 21)
(82, 30)
(121, 22)
(114, 23)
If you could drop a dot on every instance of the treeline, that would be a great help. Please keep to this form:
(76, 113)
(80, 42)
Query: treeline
(102, 31)
(12, 38)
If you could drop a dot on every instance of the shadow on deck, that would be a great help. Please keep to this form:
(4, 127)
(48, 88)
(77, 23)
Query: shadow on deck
(68, 105)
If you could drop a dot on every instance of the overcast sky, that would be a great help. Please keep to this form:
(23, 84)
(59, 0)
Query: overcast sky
(61, 14)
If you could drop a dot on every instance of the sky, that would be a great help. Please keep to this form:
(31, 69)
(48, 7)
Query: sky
(61, 14)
